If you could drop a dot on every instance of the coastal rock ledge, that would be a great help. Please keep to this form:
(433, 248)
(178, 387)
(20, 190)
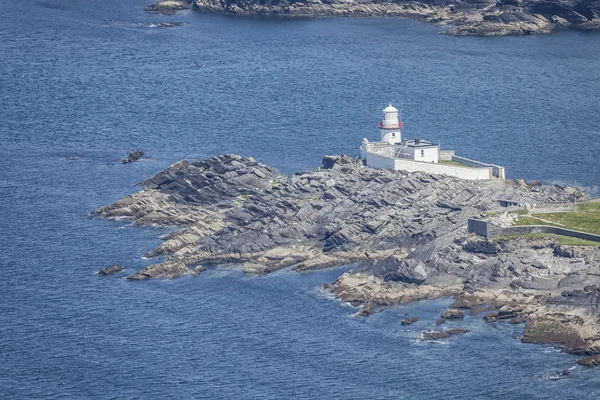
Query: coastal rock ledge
(468, 17)
(405, 231)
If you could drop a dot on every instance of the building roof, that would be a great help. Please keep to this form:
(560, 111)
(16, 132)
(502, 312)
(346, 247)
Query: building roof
(390, 108)
(418, 143)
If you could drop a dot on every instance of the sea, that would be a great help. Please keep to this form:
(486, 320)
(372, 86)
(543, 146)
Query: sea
(82, 83)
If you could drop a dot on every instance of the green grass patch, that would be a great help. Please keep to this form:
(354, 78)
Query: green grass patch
(527, 220)
(566, 240)
(585, 218)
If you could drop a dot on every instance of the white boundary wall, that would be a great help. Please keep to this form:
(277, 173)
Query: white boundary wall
(497, 170)
(383, 162)
(380, 161)
(433, 168)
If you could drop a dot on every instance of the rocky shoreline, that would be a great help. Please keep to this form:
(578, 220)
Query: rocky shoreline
(406, 232)
(468, 17)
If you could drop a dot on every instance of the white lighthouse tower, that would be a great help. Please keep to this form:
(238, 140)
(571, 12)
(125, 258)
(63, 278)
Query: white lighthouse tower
(390, 127)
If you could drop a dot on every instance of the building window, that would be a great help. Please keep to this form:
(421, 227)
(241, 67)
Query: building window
(422, 153)
(393, 134)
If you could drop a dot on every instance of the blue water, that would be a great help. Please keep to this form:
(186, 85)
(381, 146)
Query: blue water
(94, 80)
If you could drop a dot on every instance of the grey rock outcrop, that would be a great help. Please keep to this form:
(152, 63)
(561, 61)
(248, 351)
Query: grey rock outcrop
(408, 243)
(166, 270)
(235, 209)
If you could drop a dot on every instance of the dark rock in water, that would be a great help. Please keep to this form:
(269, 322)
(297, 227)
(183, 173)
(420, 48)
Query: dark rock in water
(324, 286)
(409, 321)
(453, 314)
(440, 321)
(367, 310)
(438, 335)
(590, 361)
(133, 156)
(491, 317)
(110, 270)
(565, 372)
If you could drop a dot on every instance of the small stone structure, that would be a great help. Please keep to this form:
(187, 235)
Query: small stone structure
(392, 152)
(490, 231)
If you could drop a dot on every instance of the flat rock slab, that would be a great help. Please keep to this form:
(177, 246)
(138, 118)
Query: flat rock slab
(438, 335)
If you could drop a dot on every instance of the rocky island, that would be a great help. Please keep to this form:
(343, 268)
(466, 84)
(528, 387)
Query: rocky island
(406, 232)
(468, 17)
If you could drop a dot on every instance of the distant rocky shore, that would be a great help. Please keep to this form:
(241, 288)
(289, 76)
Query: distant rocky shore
(406, 232)
(468, 17)
(169, 7)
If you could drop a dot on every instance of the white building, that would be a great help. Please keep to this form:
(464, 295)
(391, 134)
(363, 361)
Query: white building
(393, 152)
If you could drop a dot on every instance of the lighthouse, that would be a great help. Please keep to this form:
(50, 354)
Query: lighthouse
(390, 127)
